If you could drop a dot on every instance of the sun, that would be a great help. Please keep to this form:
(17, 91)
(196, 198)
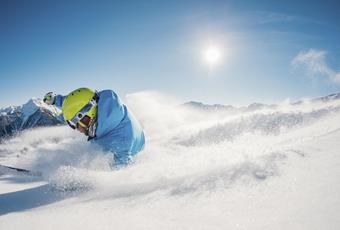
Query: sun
(212, 55)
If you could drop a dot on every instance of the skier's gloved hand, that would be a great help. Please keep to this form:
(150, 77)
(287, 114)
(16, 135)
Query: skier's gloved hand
(49, 98)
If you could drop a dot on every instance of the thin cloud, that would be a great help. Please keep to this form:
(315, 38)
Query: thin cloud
(264, 17)
(314, 63)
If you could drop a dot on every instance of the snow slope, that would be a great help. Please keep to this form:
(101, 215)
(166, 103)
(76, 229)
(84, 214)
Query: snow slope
(270, 168)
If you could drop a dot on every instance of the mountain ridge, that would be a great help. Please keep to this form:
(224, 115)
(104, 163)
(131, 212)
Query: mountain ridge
(34, 113)
(253, 106)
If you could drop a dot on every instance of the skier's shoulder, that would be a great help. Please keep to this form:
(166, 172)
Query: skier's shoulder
(108, 93)
(108, 99)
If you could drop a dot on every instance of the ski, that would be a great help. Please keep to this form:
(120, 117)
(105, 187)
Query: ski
(4, 169)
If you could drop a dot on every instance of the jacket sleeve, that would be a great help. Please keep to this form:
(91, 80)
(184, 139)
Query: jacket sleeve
(59, 99)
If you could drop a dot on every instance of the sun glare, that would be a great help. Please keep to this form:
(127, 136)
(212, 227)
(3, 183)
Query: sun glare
(212, 55)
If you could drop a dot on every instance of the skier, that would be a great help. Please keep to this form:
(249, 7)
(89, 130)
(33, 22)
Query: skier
(104, 119)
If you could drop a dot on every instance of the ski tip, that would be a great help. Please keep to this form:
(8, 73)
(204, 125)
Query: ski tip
(4, 169)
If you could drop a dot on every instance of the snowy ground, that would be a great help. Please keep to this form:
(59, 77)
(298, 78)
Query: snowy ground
(267, 169)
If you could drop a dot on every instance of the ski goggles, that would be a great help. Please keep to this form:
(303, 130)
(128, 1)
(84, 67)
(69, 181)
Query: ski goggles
(83, 124)
(81, 115)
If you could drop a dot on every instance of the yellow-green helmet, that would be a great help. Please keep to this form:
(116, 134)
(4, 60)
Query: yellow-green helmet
(76, 101)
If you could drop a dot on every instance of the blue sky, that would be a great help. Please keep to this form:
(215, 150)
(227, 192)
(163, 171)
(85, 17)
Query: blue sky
(271, 50)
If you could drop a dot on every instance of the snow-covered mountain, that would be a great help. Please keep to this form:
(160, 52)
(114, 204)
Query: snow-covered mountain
(33, 114)
(209, 108)
(266, 168)
(254, 106)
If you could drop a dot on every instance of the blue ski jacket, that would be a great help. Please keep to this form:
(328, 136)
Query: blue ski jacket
(118, 131)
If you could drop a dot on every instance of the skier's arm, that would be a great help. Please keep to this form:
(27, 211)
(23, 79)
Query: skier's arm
(52, 99)
(59, 99)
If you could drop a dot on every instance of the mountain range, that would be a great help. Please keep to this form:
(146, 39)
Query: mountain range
(253, 106)
(35, 113)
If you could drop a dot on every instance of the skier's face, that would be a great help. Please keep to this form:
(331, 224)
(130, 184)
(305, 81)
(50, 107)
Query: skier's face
(83, 124)
(81, 129)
